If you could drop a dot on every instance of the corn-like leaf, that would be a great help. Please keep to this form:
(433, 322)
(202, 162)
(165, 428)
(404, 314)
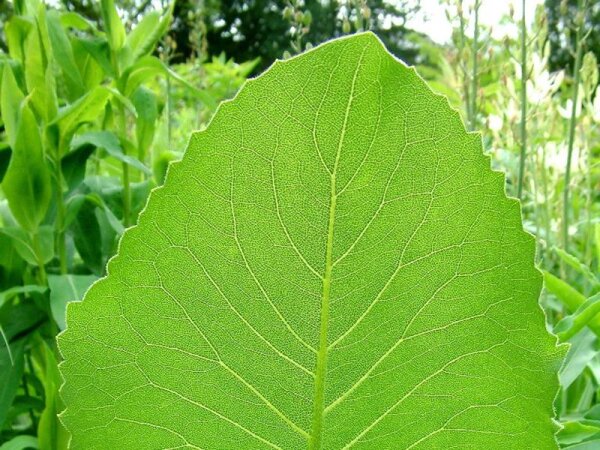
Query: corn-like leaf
(149, 67)
(143, 38)
(566, 293)
(11, 371)
(10, 103)
(332, 265)
(63, 53)
(147, 114)
(87, 109)
(113, 25)
(580, 267)
(27, 184)
(26, 248)
(77, 21)
(51, 432)
(16, 31)
(586, 314)
(36, 69)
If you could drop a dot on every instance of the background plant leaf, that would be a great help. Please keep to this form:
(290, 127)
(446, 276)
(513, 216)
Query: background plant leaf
(65, 289)
(20, 443)
(26, 183)
(11, 370)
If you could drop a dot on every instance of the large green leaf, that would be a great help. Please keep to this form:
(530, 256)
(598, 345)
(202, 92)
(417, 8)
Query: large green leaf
(333, 264)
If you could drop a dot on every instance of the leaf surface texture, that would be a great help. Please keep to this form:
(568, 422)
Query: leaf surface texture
(332, 265)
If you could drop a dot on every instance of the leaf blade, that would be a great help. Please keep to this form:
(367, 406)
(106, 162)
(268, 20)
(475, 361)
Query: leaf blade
(317, 248)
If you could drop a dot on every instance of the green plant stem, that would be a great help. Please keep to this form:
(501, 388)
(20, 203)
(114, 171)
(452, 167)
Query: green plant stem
(546, 200)
(125, 172)
(30, 410)
(168, 108)
(547, 203)
(26, 391)
(589, 227)
(60, 219)
(474, 80)
(533, 164)
(465, 73)
(42, 277)
(126, 197)
(123, 132)
(523, 105)
(59, 222)
(572, 122)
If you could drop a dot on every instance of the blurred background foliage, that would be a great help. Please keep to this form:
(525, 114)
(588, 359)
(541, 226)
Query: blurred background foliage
(98, 97)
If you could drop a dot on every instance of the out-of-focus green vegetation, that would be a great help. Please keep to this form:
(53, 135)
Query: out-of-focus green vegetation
(96, 98)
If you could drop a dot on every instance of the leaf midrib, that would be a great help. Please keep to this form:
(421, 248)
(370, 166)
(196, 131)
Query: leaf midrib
(314, 442)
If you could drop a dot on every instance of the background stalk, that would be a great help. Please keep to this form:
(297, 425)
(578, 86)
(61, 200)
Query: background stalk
(461, 61)
(42, 277)
(474, 55)
(523, 104)
(61, 245)
(125, 172)
(573, 120)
